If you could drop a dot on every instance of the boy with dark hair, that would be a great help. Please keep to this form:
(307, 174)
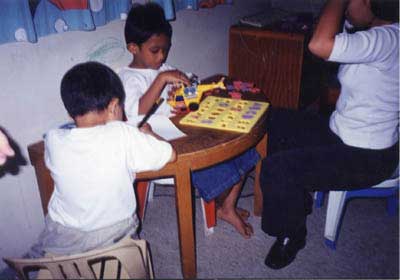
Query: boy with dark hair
(148, 38)
(93, 165)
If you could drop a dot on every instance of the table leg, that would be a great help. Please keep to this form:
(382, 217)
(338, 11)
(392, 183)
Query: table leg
(184, 208)
(258, 199)
(45, 183)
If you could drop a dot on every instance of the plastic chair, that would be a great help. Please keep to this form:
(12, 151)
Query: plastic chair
(145, 191)
(337, 199)
(126, 259)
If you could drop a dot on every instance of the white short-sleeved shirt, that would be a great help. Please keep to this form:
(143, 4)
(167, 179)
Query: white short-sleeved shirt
(136, 82)
(93, 170)
(367, 111)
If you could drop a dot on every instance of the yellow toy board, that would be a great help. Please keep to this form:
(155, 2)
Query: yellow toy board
(226, 114)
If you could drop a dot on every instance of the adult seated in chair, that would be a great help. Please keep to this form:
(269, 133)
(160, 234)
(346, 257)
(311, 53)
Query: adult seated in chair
(357, 146)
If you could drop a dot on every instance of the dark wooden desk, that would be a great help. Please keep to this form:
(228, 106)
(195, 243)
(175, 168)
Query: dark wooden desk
(201, 148)
(278, 62)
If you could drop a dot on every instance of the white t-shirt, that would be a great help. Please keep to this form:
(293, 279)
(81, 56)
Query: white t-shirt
(367, 111)
(136, 82)
(93, 171)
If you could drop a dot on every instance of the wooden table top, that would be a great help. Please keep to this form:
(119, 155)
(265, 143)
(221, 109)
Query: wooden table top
(200, 148)
(204, 146)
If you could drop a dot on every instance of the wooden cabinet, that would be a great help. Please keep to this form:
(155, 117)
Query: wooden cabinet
(274, 61)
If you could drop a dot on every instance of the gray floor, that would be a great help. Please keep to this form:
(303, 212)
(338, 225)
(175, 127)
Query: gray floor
(368, 245)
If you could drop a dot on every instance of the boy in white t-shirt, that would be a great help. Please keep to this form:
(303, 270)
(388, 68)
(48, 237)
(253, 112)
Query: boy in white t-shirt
(148, 38)
(93, 165)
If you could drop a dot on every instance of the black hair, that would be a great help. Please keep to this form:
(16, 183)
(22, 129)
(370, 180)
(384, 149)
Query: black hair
(386, 9)
(90, 86)
(145, 21)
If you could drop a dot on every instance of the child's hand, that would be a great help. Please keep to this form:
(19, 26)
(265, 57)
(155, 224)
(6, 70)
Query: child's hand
(5, 149)
(175, 77)
(146, 128)
(172, 91)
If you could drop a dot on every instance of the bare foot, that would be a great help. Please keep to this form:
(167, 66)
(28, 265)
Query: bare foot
(243, 213)
(232, 217)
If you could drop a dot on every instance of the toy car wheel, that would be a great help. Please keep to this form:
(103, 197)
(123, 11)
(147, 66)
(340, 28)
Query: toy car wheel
(193, 106)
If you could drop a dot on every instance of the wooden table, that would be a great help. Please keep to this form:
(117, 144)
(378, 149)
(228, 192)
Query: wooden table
(201, 148)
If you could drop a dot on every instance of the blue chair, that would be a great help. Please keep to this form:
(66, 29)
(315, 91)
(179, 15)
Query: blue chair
(337, 199)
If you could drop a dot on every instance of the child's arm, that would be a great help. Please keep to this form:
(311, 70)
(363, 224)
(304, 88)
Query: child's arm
(323, 38)
(154, 91)
(146, 128)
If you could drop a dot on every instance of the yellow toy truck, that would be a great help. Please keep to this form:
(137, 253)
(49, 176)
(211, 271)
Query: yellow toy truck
(188, 98)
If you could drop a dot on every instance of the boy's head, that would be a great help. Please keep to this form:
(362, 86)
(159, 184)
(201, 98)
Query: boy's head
(148, 35)
(91, 87)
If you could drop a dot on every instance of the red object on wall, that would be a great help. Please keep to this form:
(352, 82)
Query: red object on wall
(71, 4)
(211, 3)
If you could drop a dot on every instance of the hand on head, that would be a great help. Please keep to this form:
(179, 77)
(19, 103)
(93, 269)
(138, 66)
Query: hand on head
(359, 13)
(5, 149)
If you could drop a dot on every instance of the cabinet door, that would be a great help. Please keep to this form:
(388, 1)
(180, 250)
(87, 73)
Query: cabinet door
(272, 60)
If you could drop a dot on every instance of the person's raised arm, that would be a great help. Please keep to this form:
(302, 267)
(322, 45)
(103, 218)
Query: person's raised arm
(154, 91)
(322, 41)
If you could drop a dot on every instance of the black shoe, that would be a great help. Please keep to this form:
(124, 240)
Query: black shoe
(284, 251)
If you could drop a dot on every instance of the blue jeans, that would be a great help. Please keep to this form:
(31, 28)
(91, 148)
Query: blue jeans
(305, 155)
(212, 181)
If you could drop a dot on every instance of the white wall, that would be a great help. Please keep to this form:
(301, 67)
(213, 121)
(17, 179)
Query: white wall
(30, 104)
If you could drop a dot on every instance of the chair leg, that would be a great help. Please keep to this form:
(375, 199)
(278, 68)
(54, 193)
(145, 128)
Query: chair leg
(330, 244)
(319, 199)
(144, 192)
(150, 196)
(142, 188)
(392, 205)
(336, 202)
(209, 216)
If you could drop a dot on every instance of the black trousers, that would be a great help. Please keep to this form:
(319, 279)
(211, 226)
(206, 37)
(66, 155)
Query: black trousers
(305, 155)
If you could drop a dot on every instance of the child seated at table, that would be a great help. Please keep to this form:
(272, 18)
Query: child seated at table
(93, 165)
(148, 37)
